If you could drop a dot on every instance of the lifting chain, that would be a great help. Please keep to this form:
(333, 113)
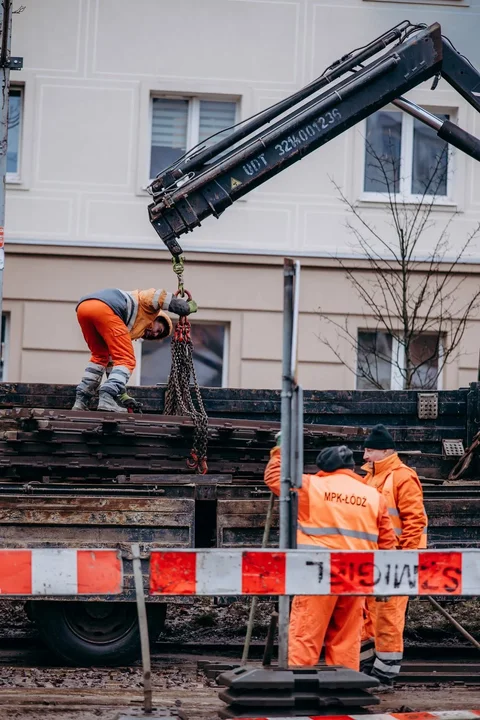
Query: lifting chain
(182, 396)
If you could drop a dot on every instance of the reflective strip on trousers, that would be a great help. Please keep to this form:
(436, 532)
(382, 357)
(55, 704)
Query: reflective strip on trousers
(344, 532)
(92, 377)
(386, 669)
(117, 380)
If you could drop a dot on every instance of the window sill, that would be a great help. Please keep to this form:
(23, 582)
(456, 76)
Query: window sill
(374, 200)
(13, 183)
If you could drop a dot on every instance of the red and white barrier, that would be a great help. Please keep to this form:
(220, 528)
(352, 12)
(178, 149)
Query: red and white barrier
(315, 572)
(445, 715)
(53, 571)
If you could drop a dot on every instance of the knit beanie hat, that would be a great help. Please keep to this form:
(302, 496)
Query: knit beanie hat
(335, 458)
(380, 439)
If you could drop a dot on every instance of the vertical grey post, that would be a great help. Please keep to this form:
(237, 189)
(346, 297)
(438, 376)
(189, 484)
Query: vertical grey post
(143, 627)
(5, 40)
(290, 323)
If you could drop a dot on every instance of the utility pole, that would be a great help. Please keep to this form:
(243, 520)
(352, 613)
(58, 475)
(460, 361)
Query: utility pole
(7, 63)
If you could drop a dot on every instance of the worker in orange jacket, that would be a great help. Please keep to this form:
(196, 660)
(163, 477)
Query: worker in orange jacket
(110, 319)
(337, 511)
(382, 636)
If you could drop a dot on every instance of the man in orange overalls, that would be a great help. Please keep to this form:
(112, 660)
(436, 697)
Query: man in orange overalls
(110, 319)
(382, 637)
(337, 511)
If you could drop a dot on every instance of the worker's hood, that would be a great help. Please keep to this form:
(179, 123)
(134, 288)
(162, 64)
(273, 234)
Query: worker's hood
(168, 320)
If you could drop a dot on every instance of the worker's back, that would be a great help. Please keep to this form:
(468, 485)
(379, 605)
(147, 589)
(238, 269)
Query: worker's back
(340, 512)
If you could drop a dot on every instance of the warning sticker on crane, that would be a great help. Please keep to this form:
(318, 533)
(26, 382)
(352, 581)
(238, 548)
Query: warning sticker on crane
(234, 183)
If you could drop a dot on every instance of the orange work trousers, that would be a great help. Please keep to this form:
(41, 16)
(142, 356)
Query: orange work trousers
(333, 620)
(384, 623)
(106, 334)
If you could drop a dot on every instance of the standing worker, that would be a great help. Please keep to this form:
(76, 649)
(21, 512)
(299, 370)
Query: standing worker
(382, 638)
(336, 511)
(110, 319)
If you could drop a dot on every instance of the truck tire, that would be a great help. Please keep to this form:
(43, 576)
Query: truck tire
(84, 633)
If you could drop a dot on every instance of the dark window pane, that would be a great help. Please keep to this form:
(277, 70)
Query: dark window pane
(169, 133)
(383, 147)
(430, 161)
(14, 125)
(424, 362)
(208, 343)
(214, 117)
(374, 355)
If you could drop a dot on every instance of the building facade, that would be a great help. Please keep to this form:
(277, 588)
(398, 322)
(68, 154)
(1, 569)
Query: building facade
(112, 91)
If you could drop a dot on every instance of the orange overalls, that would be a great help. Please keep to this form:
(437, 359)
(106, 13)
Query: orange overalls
(384, 622)
(335, 510)
(110, 319)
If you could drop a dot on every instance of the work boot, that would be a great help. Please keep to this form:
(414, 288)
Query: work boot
(81, 402)
(107, 403)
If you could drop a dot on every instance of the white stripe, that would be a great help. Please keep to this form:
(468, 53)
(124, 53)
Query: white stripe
(470, 572)
(396, 572)
(365, 654)
(386, 669)
(167, 301)
(390, 655)
(219, 573)
(156, 295)
(307, 573)
(380, 716)
(54, 571)
(455, 715)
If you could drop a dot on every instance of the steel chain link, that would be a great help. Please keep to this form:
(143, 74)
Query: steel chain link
(183, 396)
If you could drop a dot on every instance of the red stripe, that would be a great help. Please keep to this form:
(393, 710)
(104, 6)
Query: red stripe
(263, 573)
(173, 573)
(15, 572)
(351, 572)
(440, 573)
(99, 571)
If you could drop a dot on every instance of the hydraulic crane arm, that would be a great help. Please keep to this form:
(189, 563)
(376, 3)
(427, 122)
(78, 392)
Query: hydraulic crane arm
(208, 181)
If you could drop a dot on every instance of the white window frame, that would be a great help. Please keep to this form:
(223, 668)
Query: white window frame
(193, 117)
(406, 162)
(137, 373)
(398, 352)
(16, 178)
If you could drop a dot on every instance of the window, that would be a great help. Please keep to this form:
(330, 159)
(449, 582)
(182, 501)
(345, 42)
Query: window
(4, 345)
(209, 356)
(15, 112)
(381, 362)
(179, 124)
(403, 156)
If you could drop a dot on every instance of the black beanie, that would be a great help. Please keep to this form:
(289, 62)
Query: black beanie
(335, 458)
(380, 439)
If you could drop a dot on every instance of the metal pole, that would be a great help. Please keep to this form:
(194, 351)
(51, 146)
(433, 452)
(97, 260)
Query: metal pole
(143, 627)
(288, 426)
(6, 36)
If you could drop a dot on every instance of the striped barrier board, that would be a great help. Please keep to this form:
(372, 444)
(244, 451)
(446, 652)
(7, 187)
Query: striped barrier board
(315, 572)
(444, 715)
(59, 571)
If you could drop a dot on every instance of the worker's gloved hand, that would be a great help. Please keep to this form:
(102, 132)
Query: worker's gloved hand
(129, 402)
(182, 307)
(382, 598)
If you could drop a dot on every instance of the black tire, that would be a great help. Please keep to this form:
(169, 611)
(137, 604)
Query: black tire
(94, 633)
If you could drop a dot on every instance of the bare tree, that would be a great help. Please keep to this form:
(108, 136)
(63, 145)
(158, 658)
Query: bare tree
(413, 298)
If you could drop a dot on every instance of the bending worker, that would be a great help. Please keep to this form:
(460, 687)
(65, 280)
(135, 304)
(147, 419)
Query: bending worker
(382, 638)
(337, 511)
(110, 319)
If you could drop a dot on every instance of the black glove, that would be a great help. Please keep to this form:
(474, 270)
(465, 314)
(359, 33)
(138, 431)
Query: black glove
(182, 307)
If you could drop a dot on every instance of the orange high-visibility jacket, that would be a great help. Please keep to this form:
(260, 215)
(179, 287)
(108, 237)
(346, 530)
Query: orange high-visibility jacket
(402, 490)
(336, 510)
(137, 308)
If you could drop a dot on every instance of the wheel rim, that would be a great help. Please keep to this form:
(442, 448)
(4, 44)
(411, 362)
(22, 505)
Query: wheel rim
(99, 623)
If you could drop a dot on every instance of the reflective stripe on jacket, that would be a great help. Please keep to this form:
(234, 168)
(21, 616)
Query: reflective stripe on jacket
(402, 490)
(336, 510)
(137, 308)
